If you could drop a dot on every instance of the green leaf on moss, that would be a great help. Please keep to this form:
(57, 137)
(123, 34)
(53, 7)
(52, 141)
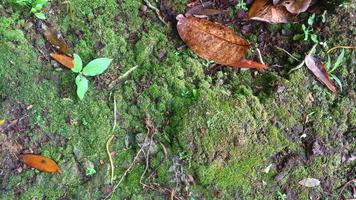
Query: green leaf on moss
(78, 64)
(82, 86)
(97, 66)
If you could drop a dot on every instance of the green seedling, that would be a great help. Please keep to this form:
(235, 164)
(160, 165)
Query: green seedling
(90, 171)
(241, 5)
(35, 5)
(331, 68)
(308, 31)
(93, 68)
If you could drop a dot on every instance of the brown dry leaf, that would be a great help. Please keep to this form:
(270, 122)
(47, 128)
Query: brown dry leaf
(205, 10)
(41, 163)
(215, 42)
(55, 38)
(318, 69)
(63, 59)
(296, 6)
(262, 10)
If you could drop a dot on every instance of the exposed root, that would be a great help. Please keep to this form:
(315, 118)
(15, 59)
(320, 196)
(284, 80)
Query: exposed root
(289, 54)
(110, 158)
(343, 188)
(341, 47)
(136, 158)
(260, 56)
(158, 13)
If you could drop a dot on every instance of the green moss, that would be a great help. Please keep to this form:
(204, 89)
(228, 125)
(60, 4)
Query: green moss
(229, 138)
(227, 130)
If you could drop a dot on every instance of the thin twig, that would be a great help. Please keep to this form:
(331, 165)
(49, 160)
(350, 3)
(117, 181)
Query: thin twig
(260, 56)
(343, 188)
(289, 54)
(114, 83)
(110, 158)
(127, 73)
(341, 47)
(158, 13)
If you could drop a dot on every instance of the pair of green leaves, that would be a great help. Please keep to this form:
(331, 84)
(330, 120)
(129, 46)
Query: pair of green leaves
(93, 68)
(36, 6)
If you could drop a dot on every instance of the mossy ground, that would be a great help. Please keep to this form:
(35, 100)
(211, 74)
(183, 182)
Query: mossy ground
(222, 128)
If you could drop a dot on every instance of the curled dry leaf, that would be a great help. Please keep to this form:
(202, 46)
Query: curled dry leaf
(41, 163)
(55, 38)
(63, 59)
(318, 69)
(263, 10)
(296, 6)
(215, 42)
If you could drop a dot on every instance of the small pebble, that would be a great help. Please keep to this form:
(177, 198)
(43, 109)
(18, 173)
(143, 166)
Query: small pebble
(143, 8)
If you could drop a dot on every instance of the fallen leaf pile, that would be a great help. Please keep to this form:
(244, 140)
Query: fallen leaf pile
(215, 42)
(40, 163)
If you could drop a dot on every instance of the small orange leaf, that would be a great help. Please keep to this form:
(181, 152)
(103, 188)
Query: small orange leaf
(64, 60)
(41, 163)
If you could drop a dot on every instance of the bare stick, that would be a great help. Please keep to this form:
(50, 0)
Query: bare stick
(114, 83)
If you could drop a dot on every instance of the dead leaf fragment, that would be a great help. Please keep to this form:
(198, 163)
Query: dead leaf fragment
(318, 69)
(309, 182)
(204, 10)
(41, 163)
(296, 6)
(262, 10)
(215, 42)
(55, 38)
(63, 59)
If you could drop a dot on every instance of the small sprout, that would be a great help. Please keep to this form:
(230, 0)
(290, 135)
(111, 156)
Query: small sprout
(337, 64)
(93, 68)
(90, 171)
(35, 5)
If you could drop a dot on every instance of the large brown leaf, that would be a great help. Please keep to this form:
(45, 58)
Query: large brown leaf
(215, 42)
(55, 38)
(263, 10)
(318, 69)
